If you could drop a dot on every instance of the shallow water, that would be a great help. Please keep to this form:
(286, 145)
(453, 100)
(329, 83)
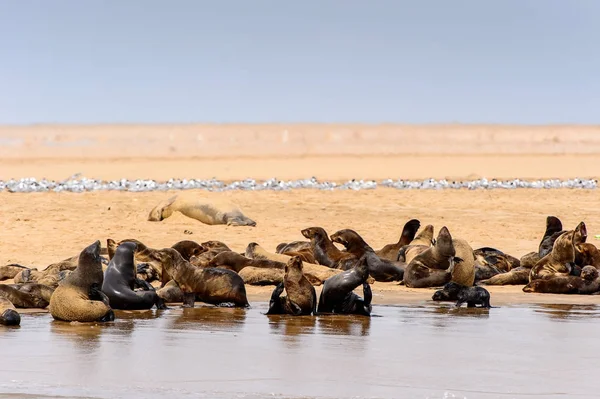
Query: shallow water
(435, 351)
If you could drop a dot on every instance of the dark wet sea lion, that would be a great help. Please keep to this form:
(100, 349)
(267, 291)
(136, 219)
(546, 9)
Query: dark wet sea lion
(422, 241)
(337, 295)
(473, 296)
(561, 259)
(379, 269)
(390, 251)
(300, 298)
(22, 299)
(208, 211)
(554, 229)
(8, 314)
(325, 252)
(588, 283)
(210, 285)
(433, 267)
(120, 281)
(148, 268)
(236, 262)
(448, 293)
(10, 271)
(78, 296)
(293, 246)
(188, 248)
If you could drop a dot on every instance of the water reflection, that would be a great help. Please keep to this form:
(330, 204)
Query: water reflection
(209, 318)
(351, 325)
(566, 312)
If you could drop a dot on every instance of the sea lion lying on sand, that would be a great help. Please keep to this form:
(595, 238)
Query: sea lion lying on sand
(419, 244)
(561, 259)
(8, 314)
(10, 271)
(586, 284)
(22, 299)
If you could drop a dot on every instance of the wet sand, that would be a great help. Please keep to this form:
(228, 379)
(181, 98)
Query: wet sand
(433, 351)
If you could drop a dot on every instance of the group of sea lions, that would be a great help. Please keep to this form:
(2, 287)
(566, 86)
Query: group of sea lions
(131, 276)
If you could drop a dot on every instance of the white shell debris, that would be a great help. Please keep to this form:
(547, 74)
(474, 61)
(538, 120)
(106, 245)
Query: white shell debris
(79, 184)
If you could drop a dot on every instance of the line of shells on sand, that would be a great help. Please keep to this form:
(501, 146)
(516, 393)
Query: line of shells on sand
(80, 184)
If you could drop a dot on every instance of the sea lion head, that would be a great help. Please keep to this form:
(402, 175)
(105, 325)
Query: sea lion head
(91, 255)
(443, 244)
(589, 273)
(170, 259)
(188, 248)
(162, 210)
(553, 225)
(314, 232)
(580, 235)
(349, 239)
(125, 253)
(213, 244)
(294, 264)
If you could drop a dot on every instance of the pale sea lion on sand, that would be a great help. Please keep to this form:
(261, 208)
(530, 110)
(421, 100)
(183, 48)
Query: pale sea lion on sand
(78, 297)
(10, 271)
(211, 211)
(421, 242)
(8, 314)
(300, 298)
(390, 251)
(261, 276)
(464, 263)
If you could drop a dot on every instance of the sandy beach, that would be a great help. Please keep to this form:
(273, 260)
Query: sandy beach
(40, 228)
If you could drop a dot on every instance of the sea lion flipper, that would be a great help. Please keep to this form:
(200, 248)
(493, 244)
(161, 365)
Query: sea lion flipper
(189, 299)
(367, 294)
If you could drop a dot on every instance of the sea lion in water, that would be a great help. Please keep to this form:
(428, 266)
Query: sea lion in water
(337, 295)
(22, 299)
(379, 269)
(210, 285)
(10, 271)
(236, 262)
(325, 252)
(390, 251)
(473, 296)
(78, 297)
(561, 259)
(301, 297)
(463, 272)
(433, 267)
(120, 281)
(421, 242)
(208, 211)
(8, 314)
(587, 283)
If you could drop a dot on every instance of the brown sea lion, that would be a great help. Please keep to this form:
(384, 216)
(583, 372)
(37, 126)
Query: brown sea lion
(236, 262)
(22, 299)
(170, 292)
(211, 211)
(315, 273)
(587, 254)
(213, 248)
(293, 246)
(188, 248)
(390, 251)
(490, 262)
(306, 255)
(39, 290)
(8, 314)
(10, 271)
(325, 252)
(586, 284)
(554, 229)
(147, 268)
(421, 242)
(561, 259)
(433, 267)
(300, 298)
(463, 272)
(210, 285)
(78, 297)
(379, 269)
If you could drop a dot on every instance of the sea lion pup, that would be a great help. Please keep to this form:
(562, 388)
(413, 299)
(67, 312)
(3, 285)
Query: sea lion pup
(325, 252)
(78, 297)
(10, 271)
(316, 274)
(301, 297)
(120, 281)
(188, 248)
(337, 295)
(8, 314)
(390, 251)
(433, 267)
(561, 259)
(473, 296)
(293, 246)
(236, 262)
(448, 293)
(211, 211)
(421, 242)
(22, 299)
(211, 285)
(379, 269)
(463, 272)
(587, 283)
(490, 262)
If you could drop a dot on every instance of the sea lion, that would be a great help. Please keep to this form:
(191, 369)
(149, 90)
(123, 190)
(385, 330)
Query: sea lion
(148, 269)
(448, 293)
(261, 276)
(490, 262)
(554, 229)
(120, 281)
(211, 211)
(379, 269)
(325, 252)
(213, 248)
(188, 248)
(236, 262)
(473, 296)
(421, 242)
(210, 285)
(8, 314)
(306, 255)
(587, 254)
(78, 297)
(293, 246)
(10, 271)
(337, 295)
(561, 259)
(22, 299)
(39, 290)
(316, 274)
(301, 297)
(390, 251)
(433, 267)
(463, 272)
(587, 283)
(170, 292)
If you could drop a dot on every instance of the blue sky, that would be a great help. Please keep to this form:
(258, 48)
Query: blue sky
(134, 61)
